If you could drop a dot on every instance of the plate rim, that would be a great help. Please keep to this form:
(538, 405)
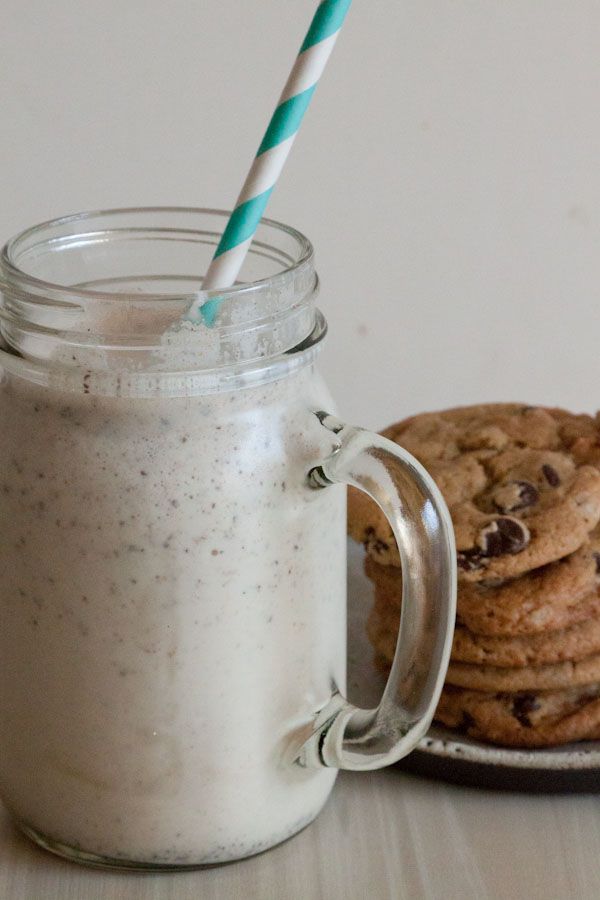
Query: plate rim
(446, 745)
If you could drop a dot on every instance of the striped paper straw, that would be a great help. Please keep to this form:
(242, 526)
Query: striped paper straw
(273, 151)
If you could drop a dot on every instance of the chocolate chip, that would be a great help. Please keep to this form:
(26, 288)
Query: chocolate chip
(469, 560)
(504, 535)
(523, 704)
(597, 558)
(375, 544)
(515, 495)
(466, 723)
(551, 475)
(378, 546)
(528, 495)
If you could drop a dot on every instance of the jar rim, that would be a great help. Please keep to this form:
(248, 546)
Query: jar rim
(11, 275)
(114, 292)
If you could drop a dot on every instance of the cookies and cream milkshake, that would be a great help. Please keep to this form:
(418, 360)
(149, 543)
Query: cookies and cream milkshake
(173, 548)
(172, 591)
(173, 602)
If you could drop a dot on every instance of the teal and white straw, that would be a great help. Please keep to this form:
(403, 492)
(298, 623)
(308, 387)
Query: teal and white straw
(273, 151)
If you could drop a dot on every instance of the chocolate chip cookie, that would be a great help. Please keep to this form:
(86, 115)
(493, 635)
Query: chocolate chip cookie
(525, 719)
(538, 506)
(523, 488)
(551, 598)
(527, 678)
(547, 648)
(518, 497)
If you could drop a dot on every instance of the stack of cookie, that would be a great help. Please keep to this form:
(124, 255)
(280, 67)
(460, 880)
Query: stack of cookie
(523, 487)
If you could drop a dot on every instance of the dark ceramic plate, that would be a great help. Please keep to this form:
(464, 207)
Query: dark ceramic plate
(443, 754)
(573, 768)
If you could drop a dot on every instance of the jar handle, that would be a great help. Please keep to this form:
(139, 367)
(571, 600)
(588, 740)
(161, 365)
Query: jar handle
(345, 736)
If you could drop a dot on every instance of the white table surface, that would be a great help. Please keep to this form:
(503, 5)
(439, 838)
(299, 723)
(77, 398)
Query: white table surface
(383, 836)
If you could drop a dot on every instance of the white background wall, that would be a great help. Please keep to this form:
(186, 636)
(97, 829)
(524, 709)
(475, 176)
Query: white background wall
(448, 171)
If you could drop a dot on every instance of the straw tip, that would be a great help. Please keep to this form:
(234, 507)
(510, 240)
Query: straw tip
(207, 313)
(209, 309)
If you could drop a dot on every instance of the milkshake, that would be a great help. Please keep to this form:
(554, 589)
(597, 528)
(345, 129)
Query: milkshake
(172, 548)
(172, 590)
(173, 610)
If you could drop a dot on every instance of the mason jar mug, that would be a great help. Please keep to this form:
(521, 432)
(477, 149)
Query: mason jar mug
(173, 550)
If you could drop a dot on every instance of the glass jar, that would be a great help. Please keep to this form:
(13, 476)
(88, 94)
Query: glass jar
(173, 553)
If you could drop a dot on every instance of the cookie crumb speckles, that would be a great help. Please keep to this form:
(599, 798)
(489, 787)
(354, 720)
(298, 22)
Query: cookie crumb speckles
(161, 544)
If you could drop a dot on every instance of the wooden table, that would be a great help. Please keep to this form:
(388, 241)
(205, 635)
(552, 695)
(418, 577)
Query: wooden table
(383, 836)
